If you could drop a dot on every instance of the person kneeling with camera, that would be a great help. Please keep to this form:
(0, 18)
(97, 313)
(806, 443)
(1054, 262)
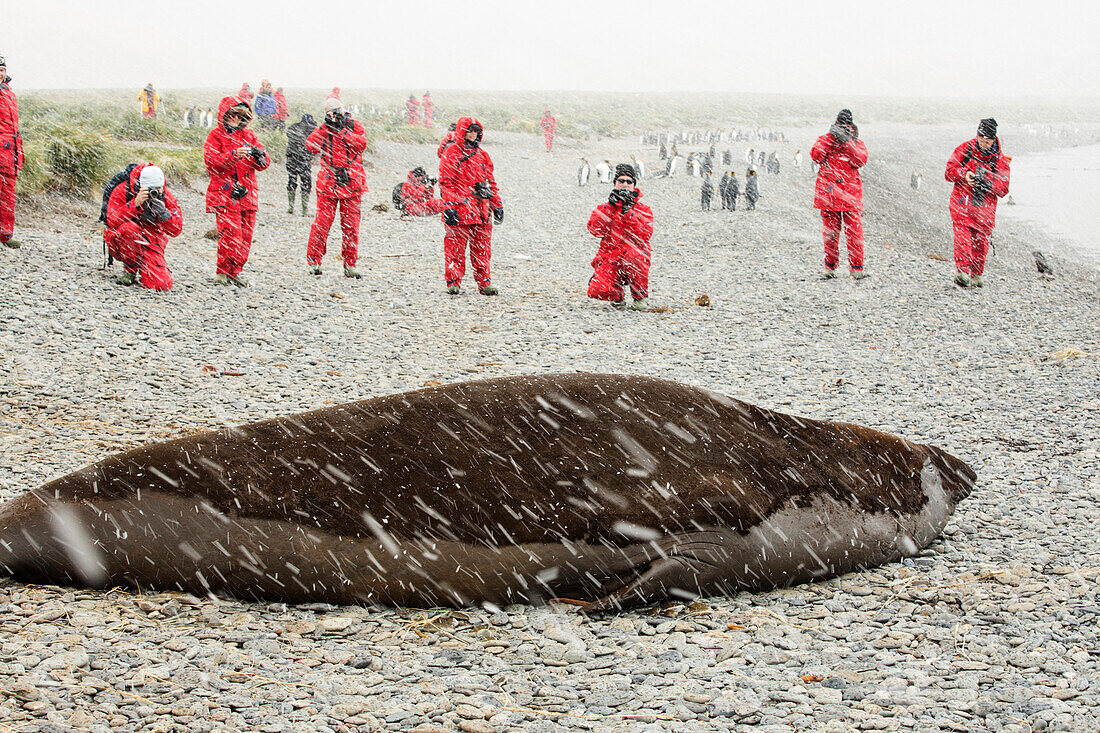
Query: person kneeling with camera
(341, 182)
(233, 154)
(624, 227)
(142, 215)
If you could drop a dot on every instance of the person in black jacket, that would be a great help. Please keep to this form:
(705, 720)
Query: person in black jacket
(299, 162)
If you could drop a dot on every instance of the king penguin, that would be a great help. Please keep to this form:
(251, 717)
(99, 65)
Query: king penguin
(582, 174)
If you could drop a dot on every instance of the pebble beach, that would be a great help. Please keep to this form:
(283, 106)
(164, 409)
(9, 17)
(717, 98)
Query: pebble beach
(995, 627)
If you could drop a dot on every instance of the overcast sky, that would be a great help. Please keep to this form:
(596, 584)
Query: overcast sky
(923, 48)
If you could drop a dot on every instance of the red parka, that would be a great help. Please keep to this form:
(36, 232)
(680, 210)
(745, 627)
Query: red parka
(428, 106)
(549, 123)
(839, 187)
(245, 94)
(459, 169)
(11, 143)
(966, 159)
(445, 143)
(120, 209)
(418, 197)
(412, 111)
(282, 109)
(621, 235)
(225, 170)
(341, 149)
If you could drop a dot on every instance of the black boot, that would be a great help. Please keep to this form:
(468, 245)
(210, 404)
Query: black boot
(290, 200)
(305, 204)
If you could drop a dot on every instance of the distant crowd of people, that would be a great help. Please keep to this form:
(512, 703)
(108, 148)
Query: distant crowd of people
(142, 214)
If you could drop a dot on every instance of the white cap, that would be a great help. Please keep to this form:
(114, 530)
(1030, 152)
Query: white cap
(151, 177)
(332, 104)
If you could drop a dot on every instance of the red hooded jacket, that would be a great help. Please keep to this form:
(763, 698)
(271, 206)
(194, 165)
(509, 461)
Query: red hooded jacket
(11, 143)
(839, 186)
(341, 149)
(120, 209)
(621, 234)
(966, 159)
(460, 167)
(446, 142)
(224, 170)
(282, 110)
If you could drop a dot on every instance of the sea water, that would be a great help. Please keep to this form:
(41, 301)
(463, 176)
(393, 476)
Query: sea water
(1059, 191)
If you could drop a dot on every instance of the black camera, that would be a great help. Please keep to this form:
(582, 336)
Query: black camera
(238, 191)
(343, 178)
(983, 185)
(257, 154)
(483, 190)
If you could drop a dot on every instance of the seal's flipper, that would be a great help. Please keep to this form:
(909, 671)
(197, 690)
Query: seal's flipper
(674, 576)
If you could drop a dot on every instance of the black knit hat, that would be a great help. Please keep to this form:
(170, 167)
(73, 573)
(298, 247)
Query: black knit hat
(626, 169)
(844, 117)
(987, 127)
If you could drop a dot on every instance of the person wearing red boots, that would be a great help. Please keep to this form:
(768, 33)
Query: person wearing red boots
(980, 171)
(418, 195)
(549, 125)
(839, 192)
(142, 215)
(412, 111)
(11, 156)
(469, 191)
(341, 183)
(624, 227)
(233, 154)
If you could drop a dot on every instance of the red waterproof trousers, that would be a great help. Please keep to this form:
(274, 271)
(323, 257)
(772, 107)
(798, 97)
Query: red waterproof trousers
(236, 229)
(971, 248)
(7, 207)
(349, 226)
(629, 268)
(831, 222)
(479, 239)
(133, 248)
(548, 138)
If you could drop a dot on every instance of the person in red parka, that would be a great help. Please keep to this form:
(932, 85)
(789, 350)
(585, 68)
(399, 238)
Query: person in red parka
(469, 191)
(245, 94)
(11, 156)
(624, 227)
(233, 154)
(980, 170)
(549, 124)
(142, 215)
(839, 192)
(418, 195)
(448, 139)
(341, 182)
(282, 109)
(428, 108)
(412, 110)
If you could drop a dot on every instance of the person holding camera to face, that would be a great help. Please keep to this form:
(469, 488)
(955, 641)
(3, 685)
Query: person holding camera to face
(142, 215)
(624, 227)
(980, 171)
(233, 154)
(839, 192)
(469, 191)
(341, 182)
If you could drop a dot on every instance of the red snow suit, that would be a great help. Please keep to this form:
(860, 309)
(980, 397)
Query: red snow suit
(245, 94)
(839, 196)
(282, 109)
(446, 142)
(412, 111)
(419, 198)
(972, 224)
(342, 149)
(460, 167)
(236, 219)
(11, 158)
(140, 244)
(624, 253)
(428, 106)
(549, 125)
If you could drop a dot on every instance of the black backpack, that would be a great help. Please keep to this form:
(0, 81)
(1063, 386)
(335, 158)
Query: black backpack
(398, 199)
(121, 177)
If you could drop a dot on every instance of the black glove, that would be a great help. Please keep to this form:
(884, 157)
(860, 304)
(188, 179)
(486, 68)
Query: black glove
(349, 122)
(257, 154)
(615, 197)
(498, 215)
(159, 211)
(840, 133)
(334, 122)
(450, 217)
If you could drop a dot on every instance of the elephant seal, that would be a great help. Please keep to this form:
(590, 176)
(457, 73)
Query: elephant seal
(613, 489)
